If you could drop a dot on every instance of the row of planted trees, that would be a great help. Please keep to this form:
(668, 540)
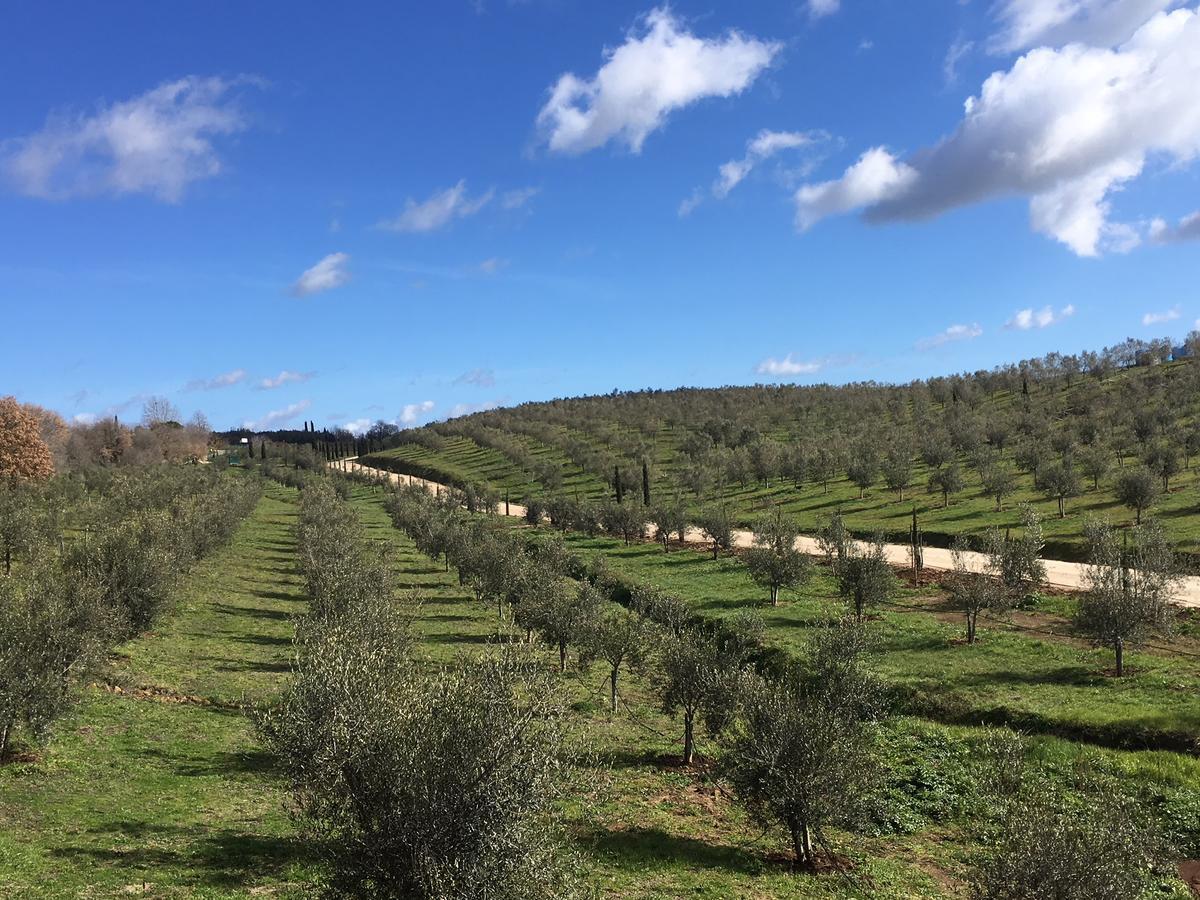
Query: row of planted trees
(93, 559)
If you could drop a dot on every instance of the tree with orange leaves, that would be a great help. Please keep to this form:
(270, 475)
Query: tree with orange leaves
(23, 453)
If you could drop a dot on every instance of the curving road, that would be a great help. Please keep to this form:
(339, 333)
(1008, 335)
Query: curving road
(1059, 574)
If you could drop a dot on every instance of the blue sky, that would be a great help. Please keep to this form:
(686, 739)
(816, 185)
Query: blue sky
(276, 212)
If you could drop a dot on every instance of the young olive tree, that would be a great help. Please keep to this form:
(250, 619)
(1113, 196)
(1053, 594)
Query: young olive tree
(619, 638)
(973, 590)
(698, 679)
(1137, 490)
(774, 562)
(998, 483)
(865, 578)
(417, 784)
(805, 750)
(669, 518)
(947, 480)
(834, 539)
(1163, 460)
(1096, 462)
(1130, 587)
(1060, 481)
(669, 611)
(718, 528)
(897, 470)
(565, 617)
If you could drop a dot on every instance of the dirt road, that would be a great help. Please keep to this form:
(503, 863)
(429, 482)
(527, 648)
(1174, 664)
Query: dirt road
(1060, 574)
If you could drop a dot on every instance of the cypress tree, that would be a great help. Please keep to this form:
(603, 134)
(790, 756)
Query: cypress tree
(645, 483)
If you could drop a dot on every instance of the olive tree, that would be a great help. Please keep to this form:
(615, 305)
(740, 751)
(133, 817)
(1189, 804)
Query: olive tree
(698, 679)
(998, 483)
(54, 626)
(865, 578)
(975, 589)
(1060, 481)
(1137, 490)
(1130, 587)
(718, 528)
(1163, 460)
(416, 784)
(773, 561)
(947, 480)
(805, 749)
(564, 617)
(1096, 463)
(669, 518)
(897, 471)
(618, 637)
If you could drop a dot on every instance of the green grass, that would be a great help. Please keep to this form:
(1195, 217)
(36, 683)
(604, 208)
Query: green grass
(1050, 684)
(136, 795)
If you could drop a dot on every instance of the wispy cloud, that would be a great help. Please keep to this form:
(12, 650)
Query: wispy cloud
(777, 368)
(156, 143)
(284, 377)
(438, 211)
(818, 9)
(226, 379)
(478, 377)
(414, 411)
(1026, 319)
(950, 335)
(277, 417)
(517, 198)
(954, 55)
(1157, 318)
(661, 67)
(492, 265)
(465, 409)
(327, 274)
(759, 149)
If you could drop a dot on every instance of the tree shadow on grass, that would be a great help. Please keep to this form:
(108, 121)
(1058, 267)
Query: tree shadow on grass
(208, 858)
(454, 638)
(243, 665)
(650, 846)
(256, 612)
(1068, 676)
(255, 761)
(262, 640)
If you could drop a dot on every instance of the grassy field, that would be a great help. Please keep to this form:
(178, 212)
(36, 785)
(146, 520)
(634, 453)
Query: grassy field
(161, 790)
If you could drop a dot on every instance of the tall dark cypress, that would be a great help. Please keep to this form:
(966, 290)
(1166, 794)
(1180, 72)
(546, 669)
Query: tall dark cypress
(645, 483)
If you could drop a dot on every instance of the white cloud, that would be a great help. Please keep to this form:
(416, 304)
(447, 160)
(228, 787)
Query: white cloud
(465, 409)
(1157, 318)
(477, 377)
(819, 8)
(1026, 319)
(492, 265)
(84, 419)
(414, 411)
(788, 366)
(226, 379)
(876, 177)
(358, 426)
(954, 55)
(156, 143)
(326, 275)
(438, 211)
(656, 71)
(284, 377)
(761, 147)
(1188, 229)
(278, 417)
(517, 198)
(951, 334)
(1053, 23)
(1065, 127)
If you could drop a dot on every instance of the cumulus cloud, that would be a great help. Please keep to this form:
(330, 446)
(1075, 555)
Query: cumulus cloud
(1158, 318)
(1026, 319)
(226, 379)
(660, 68)
(477, 377)
(438, 211)
(788, 366)
(277, 417)
(1038, 23)
(156, 143)
(1066, 127)
(950, 335)
(1188, 229)
(876, 177)
(413, 411)
(326, 275)
(358, 426)
(820, 8)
